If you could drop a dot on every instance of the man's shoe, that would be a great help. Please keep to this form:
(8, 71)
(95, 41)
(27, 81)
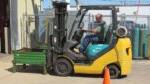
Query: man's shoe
(76, 50)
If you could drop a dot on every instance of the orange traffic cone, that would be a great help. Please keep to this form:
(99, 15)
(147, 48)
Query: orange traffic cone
(106, 76)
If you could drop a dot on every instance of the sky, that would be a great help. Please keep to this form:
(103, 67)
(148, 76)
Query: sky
(112, 2)
(47, 3)
(123, 10)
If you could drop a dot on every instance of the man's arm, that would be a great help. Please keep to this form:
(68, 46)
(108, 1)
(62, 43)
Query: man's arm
(97, 29)
(94, 30)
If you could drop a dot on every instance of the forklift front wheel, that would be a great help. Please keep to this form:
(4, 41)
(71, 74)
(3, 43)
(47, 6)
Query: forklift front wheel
(63, 67)
(114, 71)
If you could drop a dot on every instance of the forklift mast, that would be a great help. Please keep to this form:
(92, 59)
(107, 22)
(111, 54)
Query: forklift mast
(59, 29)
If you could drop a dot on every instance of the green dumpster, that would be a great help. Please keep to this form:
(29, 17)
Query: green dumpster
(30, 57)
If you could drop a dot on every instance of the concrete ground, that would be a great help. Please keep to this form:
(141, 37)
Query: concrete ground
(140, 75)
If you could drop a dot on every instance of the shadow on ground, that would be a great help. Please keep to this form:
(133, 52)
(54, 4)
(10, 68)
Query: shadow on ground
(39, 70)
(27, 69)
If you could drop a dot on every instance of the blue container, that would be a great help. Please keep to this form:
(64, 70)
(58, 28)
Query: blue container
(136, 34)
(148, 45)
(141, 53)
(93, 50)
(145, 43)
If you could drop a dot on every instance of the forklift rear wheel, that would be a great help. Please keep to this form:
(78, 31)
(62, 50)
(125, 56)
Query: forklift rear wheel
(114, 71)
(63, 67)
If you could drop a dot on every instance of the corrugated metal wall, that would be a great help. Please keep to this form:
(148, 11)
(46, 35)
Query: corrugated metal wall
(13, 23)
(23, 22)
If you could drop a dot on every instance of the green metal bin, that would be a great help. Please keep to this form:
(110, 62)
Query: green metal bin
(31, 57)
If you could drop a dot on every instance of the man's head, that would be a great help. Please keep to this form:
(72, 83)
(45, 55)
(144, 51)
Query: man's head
(98, 17)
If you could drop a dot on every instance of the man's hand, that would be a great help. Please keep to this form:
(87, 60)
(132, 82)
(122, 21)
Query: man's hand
(94, 31)
(83, 30)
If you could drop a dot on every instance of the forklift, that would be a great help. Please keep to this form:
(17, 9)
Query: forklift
(63, 60)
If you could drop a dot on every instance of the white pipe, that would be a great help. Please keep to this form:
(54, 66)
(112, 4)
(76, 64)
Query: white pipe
(6, 39)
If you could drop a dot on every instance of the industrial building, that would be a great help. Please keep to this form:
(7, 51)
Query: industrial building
(17, 18)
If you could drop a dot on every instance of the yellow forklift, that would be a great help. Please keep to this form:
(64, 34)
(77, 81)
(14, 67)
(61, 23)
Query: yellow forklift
(115, 52)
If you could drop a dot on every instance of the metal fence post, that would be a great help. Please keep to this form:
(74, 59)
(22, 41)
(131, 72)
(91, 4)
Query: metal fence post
(148, 22)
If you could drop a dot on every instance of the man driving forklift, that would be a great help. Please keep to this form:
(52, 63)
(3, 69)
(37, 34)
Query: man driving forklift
(96, 30)
(115, 53)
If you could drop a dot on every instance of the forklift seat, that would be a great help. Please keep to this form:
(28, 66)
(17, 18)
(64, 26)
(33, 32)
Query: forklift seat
(94, 49)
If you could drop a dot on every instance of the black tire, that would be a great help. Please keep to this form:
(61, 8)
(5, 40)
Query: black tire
(114, 71)
(63, 67)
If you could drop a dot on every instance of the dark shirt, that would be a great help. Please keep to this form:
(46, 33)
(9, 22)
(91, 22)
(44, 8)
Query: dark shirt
(100, 27)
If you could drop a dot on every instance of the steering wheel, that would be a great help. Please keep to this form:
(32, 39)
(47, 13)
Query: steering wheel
(79, 32)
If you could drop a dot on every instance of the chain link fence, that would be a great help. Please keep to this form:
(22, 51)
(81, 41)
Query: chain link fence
(131, 22)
